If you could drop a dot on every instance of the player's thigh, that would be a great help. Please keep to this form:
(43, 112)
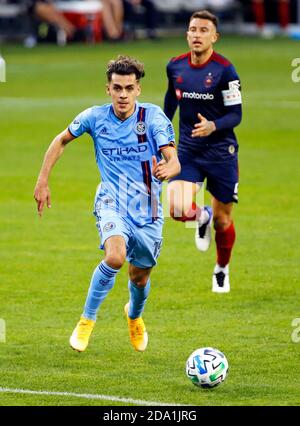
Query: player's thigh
(181, 195)
(110, 224)
(222, 181)
(183, 187)
(145, 244)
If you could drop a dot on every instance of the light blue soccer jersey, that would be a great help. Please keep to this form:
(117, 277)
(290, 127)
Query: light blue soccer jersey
(124, 151)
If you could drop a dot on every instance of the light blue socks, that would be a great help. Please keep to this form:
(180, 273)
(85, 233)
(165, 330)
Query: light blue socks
(138, 297)
(102, 281)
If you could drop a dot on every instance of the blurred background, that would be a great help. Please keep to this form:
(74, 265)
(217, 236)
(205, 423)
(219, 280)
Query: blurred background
(94, 21)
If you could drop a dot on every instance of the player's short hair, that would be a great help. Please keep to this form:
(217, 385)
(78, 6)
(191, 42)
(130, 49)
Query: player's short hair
(205, 14)
(125, 65)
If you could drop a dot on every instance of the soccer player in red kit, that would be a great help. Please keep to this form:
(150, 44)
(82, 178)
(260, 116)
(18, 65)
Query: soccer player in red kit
(206, 87)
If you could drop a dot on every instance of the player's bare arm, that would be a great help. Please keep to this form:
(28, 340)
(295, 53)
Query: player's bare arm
(42, 193)
(168, 167)
(204, 128)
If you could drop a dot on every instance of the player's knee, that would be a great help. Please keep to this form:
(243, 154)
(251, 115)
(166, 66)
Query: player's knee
(139, 281)
(115, 259)
(177, 214)
(222, 222)
(139, 277)
(172, 213)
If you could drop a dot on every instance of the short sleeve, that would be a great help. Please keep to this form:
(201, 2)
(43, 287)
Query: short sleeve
(81, 123)
(162, 130)
(231, 87)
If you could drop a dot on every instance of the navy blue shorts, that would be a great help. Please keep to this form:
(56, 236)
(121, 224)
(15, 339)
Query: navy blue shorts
(222, 177)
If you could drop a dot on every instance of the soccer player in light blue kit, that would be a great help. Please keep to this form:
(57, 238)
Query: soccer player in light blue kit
(129, 140)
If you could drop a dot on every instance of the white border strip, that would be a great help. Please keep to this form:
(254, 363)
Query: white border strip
(86, 396)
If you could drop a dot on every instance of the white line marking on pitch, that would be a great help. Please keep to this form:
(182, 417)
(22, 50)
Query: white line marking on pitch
(86, 396)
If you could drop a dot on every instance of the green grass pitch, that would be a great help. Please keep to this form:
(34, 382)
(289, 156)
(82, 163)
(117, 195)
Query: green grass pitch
(46, 263)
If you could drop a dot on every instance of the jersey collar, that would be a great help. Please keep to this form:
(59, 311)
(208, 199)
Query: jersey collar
(201, 65)
(117, 119)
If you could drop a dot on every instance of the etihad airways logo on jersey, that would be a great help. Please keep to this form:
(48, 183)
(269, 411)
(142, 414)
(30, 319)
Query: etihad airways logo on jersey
(194, 95)
(125, 151)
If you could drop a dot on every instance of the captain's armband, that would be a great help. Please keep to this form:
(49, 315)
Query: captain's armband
(232, 96)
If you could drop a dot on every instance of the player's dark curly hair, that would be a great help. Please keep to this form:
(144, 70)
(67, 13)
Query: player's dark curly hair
(125, 65)
(205, 14)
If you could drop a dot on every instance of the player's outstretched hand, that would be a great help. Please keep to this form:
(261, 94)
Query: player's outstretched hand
(204, 128)
(42, 196)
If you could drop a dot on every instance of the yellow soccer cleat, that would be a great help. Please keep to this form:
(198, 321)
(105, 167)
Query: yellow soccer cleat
(137, 331)
(81, 334)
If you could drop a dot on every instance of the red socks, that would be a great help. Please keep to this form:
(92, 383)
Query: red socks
(259, 13)
(283, 12)
(225, 241)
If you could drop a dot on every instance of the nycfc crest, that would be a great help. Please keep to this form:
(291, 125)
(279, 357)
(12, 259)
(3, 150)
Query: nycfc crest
(140, 128)
(109, 226)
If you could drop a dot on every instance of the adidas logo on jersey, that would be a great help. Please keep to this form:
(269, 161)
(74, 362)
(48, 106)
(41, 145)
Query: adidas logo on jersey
(103, 131)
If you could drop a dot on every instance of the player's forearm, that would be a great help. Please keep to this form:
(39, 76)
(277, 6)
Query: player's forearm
(173, 167)
(53, 153)
(42, 194)
(229, 121)
(172, 163)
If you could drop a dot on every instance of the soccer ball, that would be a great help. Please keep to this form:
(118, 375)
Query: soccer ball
(207, 367)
